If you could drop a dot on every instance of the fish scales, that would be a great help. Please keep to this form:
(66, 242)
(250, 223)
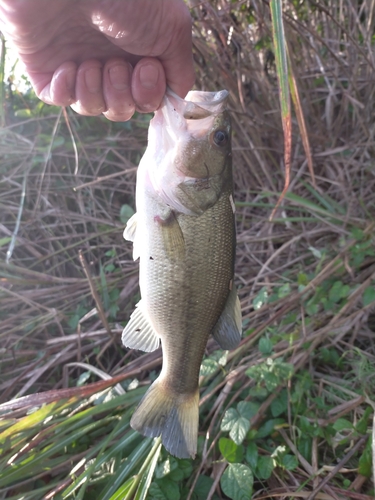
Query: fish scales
(184, 235)
(208, 267)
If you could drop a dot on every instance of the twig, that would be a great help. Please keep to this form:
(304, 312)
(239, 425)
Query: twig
(338, 467)
(95, 295)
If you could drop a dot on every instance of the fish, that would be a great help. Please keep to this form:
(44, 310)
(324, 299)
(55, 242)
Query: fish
(183, 233)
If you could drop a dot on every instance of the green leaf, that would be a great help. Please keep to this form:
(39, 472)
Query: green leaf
(230, 450)
(284, 290)
(357, 234)
(247, 409)
(289, 462)
(237, 422)
(305, 425)
(272, 381)
(83, 378)
(203, 487)
(302, 279)
(23, 113)
(363, 422)
(305, 447)
(155, 492)
(252, 455)
(229, 419)
(365, 461)
(368, 295)
(265, 467)
(169, 488)
(257, 391)
(239, 430)
(208, 367)
(185, 466)
(220, 357)
(237, 482)
(165, 467)
(267, 428)
(279, 405)
(176, 475)
(335, 293)
(342, 424)
(265, 346)
(126, 212)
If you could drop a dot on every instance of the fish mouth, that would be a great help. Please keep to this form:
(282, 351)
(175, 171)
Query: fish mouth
(197, 104)
(193, 115)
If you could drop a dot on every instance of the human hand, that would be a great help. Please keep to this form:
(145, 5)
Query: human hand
(102, 56)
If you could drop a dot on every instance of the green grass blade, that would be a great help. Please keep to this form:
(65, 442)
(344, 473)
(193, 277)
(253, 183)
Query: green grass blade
(31, 421)
(283, 78)
(101, 457)
(281, 58)
(125, 490)
(146, 479)
(131, 463)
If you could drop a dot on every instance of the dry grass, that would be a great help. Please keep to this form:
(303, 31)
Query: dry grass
(45, 297)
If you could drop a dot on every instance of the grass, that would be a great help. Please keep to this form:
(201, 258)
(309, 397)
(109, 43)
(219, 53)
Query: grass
(289, 414)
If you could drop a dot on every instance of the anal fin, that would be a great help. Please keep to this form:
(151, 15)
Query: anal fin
(139, 333)
(228, 329)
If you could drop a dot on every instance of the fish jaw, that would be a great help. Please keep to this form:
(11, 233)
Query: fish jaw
(181, 150)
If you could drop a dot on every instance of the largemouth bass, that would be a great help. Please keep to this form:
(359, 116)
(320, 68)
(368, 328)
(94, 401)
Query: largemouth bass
(184, 235)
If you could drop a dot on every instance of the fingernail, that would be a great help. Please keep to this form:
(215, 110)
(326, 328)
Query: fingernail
(148, 76)
(119, 77)
(45, 94)
(93, 80)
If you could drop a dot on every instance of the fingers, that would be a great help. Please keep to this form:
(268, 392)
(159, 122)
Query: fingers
(116, 90)
(177, 59)
(148, 84)
(89, 99)
(117, 77)
(57, 88)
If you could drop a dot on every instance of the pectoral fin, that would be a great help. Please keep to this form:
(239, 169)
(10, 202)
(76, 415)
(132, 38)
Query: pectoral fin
(173, 238)
(228, 329)
(130, 233)
(139, 333)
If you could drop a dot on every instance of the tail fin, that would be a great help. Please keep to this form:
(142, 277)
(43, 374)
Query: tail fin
(174, 418)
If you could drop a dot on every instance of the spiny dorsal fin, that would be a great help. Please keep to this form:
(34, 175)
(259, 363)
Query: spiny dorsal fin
(139, 333)
(228, 329)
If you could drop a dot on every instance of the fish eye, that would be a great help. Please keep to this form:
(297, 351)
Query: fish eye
(220, 137)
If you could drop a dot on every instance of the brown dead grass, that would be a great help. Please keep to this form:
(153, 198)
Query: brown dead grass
(65, 212)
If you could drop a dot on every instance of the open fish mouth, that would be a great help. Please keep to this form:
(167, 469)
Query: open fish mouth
(197, 104)
(178, 118)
